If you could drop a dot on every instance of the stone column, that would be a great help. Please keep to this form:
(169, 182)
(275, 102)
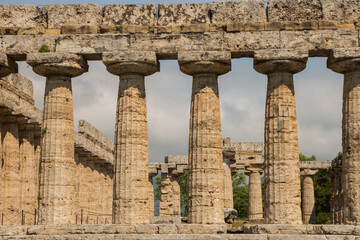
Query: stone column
(28, 175)
(56, 195)
(131, 194)
(347, 62)
(10, 173)
(308, 196)
(282, 170)
(228, 189)
(255, 194)
(206, 178)
(151, 197)
(176, 195)
(167, 198)
(97, 191)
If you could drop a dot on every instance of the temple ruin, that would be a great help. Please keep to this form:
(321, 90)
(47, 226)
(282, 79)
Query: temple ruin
(50, 173)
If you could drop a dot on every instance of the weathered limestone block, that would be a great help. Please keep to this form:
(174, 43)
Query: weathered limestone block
(206, 177)
(73, 14)
(28, 176)
(255, 193)
(294, 10)
(56, 194)
(24, 16)
(10, 174)
(238, 11)
(343, 11)
(182, 14)
(21, 83)
(7, 65)
(282, 171)
(120, 14)
(167, 201)
(308, 197)
(131, 194)
(347, 62)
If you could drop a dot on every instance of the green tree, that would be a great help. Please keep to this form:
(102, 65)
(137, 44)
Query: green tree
(240, 194)
(157, 188)
(184, 192)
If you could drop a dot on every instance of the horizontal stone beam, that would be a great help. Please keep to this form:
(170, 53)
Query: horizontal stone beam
(315, 165)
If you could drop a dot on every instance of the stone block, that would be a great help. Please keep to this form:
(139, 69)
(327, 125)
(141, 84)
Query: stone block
(25, 16)
(235, 27)
(7, 65)
(346, 26)
(238, 11)
(73, 14)
(305, 25)
(54, 32)
(342, 11)
(147, 229)
(21, 83)
(89, 29)
(144, 57)
(95, 135)
(294, 10)
(195, 28)
(254, 26)
(204, 56)
(70, 29)
(110, 29)
(183, 14)
(31, 31)
(168, 229)
(274, 26)
(132, 14)
(165, 220)
(217, 27)
(327, 24)
(202, 228)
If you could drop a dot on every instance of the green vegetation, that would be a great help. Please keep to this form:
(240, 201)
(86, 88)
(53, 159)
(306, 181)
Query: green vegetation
(240, 194)
(157, 194)
(184, 190)
(44, 48)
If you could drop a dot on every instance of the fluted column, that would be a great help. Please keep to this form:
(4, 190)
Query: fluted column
(282, 170)
(228, 189)
(255, 194)
(56, 195)
(176, 195)
(131, 194)
(28, 175)
(167, 198)
(347, 62)
(10, 174)
(308, 197)
(206, 178)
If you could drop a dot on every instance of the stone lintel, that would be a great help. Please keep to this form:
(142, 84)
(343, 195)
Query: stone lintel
(204, 62)
(95, 135)
(315, 165)
(178, 159)
(131, 62)
(280, 60)
(61, 64)
(7, 65)
(308, 172)
(344, 60)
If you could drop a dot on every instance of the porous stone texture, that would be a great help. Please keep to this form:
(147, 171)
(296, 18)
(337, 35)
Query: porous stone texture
(56, 191)
(24, 16)
(165, 220)
(230, 214)
(294, 10)
(228, 190)
(308, 197)
(255, 194)
(206, 178)
(176, 195)
(181, 14)
(73, 14)
(282, 171)
(343, 11)
(347, 61)
(238, 11)
(7, 65)
(131, 195)
(10, 174)
(167, 201)
(336, 197)
(119, 14)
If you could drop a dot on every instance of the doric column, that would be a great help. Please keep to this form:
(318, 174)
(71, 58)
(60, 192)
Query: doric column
(131, 194)
(98, 190)
(347, 62)
(308, 196)
(167, 200)
(282, 170)
(56, 195)
(176, 195)
(10, 173)
(228, 189)
(206, 184)
(28, 175)
(255, 194)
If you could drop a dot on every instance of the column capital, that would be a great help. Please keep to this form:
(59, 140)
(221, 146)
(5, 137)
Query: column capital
(57, 64)
(308, 172)
(120, 63)
(344, 60)
(249, 170)
(280, 60)
(215, 62)
(7, 65)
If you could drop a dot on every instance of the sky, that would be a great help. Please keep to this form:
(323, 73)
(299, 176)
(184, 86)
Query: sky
(318, 93)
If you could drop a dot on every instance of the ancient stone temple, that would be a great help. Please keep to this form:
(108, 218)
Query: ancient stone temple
(73, 185)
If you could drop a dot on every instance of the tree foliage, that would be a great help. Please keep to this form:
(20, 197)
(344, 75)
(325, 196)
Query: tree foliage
(157, 195)
(240, 194)
(184, 190)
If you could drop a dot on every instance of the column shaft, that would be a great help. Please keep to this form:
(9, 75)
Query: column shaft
(255, 196)
(151, 198)
(282, 171)
(176, 195)
(131, 154)
(10, 174)
(206, 184)
(351, 147)
(308, 200)
(56, 200)
(228, 189)
(167, 199)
